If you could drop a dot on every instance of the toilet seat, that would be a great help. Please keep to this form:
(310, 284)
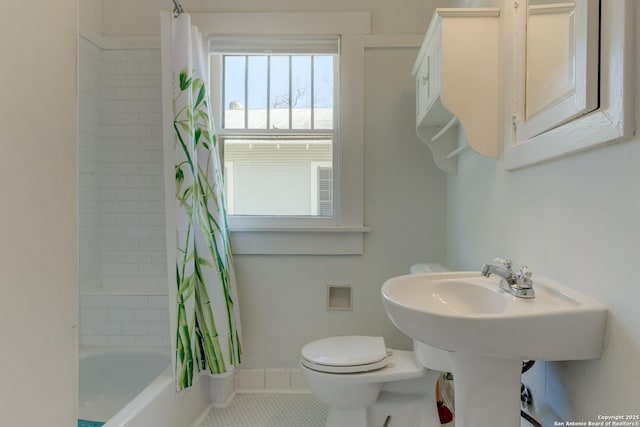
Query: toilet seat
(345, 354)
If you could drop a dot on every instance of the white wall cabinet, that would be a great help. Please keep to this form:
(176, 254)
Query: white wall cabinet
(602, 66)
(456, 76)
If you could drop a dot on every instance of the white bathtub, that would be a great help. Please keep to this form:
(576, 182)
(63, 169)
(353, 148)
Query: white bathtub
(134, 387)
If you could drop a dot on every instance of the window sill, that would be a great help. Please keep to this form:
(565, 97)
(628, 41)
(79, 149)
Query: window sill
(298, 240)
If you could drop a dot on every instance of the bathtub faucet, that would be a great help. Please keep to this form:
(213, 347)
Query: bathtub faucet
(519, 285)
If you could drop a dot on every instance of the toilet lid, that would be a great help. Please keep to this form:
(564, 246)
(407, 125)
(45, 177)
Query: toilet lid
(345, 354)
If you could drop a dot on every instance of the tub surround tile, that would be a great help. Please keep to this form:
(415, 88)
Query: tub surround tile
(94, 314)
(121, 340)
(149, 340)
(135, 328)
(121, 172)
(95, 340)
(158, 301)
(124, 320)
(117, 168)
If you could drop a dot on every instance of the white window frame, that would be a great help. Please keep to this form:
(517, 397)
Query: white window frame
(229, 177)
(314, 185)
(343, 234)
(248, 221)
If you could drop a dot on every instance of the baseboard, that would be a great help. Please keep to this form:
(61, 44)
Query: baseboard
(270, 381)
(222, 389)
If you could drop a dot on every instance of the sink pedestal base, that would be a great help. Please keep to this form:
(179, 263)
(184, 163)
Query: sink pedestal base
(487, 390)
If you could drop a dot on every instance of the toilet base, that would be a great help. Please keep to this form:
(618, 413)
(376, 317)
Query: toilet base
(407, 410)
(403, 392)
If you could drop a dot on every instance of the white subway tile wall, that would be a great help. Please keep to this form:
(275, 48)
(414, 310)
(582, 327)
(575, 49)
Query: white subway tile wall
(132, 230)
(124, 320)
(121, 197)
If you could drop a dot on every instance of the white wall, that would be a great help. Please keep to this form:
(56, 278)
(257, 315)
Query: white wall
(282, 298)
(90, 16)
(38, 220)
(577, 221)
(122, 18)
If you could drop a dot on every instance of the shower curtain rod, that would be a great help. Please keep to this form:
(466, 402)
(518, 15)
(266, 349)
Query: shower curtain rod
(177, 8)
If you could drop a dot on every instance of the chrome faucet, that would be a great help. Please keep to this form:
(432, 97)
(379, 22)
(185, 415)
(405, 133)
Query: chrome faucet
(519, 285)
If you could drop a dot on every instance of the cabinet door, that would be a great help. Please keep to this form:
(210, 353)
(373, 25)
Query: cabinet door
(560, 65)
(428, 78)
(613, 119)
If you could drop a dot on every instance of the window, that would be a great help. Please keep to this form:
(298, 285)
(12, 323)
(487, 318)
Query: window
(321, 189)
(324, 192)
(323, 130)
(278, 115)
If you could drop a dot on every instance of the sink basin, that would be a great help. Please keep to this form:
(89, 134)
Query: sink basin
(466, 312)
(465, 298)
(487, 332)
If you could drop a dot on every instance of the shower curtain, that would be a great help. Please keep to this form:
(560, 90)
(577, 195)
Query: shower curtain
(205, 317)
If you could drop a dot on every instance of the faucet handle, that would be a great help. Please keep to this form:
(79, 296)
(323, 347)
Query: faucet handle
(526, 274)
(485, 270)
(506, 263)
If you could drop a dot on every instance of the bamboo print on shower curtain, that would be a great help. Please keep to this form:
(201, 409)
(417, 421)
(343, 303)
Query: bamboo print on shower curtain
(207, 325)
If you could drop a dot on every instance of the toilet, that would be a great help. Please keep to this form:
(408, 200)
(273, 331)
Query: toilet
(366, 384)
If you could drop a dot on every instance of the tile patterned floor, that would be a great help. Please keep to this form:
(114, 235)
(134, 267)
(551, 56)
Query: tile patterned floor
(276, 410)
(269, 410)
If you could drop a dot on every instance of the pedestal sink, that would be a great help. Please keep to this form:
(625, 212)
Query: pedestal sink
(488, 332)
